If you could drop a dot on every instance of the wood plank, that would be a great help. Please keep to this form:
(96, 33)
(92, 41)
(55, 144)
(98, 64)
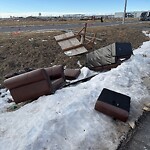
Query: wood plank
(69, 43)
(73, 47)
(67, 38)
(62, 36)
(76, 51)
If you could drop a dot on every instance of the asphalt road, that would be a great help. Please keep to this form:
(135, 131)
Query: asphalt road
(140, 139)
(55, 26)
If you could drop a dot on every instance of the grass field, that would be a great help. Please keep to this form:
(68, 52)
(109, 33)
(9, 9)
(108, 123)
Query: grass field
(30, 21)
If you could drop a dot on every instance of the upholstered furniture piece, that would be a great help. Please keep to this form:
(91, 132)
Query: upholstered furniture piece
(33, 84)
(109, 56)
(113, 104)
(72, 74)
(56, 75)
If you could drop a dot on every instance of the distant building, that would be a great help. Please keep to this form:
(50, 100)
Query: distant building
(118, 14)
(134, 14)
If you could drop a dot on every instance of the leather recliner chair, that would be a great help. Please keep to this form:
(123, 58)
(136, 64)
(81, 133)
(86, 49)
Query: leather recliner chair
(33, 84)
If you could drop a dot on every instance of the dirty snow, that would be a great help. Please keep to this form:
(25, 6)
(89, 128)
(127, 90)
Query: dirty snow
(147, 33)
(67, 120)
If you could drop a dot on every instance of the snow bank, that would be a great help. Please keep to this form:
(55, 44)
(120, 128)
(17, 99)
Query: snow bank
(67, 120)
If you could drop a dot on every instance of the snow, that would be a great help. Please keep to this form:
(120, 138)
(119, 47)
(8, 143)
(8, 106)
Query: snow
(67, 120)
(147, 33)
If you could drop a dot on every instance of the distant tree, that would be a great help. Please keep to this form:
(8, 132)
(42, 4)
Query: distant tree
(40, 14)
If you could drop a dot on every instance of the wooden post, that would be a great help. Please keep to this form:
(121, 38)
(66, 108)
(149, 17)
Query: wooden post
(82, 33)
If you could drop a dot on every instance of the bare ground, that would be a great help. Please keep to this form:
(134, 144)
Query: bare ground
(39, 49)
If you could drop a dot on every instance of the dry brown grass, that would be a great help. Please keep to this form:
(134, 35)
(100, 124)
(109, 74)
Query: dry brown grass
(30, 22)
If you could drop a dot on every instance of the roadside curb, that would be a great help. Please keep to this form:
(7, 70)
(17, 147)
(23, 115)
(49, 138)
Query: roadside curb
(131, 132)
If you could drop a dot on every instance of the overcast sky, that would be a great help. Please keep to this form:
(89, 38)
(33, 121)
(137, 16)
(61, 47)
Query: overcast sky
(70, 6)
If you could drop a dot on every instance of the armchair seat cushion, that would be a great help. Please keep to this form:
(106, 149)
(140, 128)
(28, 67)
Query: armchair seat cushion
(114, 104)
(72, 74)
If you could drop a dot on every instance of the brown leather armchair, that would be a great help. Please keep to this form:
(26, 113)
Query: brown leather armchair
(33, 84)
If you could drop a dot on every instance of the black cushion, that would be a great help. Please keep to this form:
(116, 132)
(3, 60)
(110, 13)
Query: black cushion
(123, 49)
(116, 99)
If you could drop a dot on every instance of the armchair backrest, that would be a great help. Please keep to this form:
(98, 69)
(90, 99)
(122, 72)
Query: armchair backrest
(26, 78)
(29, 86)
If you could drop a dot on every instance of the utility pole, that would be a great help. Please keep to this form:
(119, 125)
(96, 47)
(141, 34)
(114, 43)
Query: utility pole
(124, 14)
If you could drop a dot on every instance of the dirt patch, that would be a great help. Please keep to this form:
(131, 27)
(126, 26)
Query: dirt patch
(36, 49)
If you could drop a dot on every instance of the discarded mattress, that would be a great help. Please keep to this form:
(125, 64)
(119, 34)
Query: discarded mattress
(108, 55)
(114, 104)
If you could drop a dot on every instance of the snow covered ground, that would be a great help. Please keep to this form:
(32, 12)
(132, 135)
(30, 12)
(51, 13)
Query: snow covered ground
(67, 120)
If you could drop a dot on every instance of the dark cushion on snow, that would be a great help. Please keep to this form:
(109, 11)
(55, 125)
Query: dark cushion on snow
(113, 104)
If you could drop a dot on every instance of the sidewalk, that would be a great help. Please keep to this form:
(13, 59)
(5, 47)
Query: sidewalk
(140, 138)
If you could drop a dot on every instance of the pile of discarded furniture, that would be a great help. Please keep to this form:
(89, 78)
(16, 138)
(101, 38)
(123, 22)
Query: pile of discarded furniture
(39, 82)
(109, 102)
(45, 81)
(35, 83)
(102, 59)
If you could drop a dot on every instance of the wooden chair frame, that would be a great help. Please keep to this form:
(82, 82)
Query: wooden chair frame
(72, 43)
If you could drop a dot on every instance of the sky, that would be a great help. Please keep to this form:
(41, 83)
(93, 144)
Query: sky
(67, 119)
(33, 7)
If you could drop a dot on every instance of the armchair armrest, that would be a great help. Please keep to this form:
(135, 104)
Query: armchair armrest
(55, 72)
